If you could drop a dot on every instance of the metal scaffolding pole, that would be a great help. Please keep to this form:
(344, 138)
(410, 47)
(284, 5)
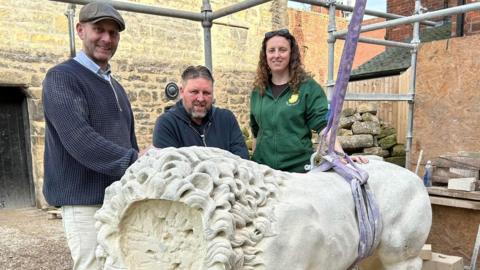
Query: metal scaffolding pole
(412, 88)
(70, 13)
(378, 97)
(416, 18)
(206, 17)
(236, 7)
(383, 42)
(207, 35)
(145, 9)
(367, 12)
(332, 27)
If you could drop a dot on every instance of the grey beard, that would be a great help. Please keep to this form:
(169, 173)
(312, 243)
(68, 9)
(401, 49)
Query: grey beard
(198, 115)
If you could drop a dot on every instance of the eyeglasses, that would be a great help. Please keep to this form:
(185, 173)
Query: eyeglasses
(280, 32)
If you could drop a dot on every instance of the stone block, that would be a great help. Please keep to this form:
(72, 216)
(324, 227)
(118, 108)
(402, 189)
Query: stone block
(465, 184)
(398, 150)
(370, 117)
(368, 107)
(446, 262)
(35, 108)
(348, 112)
(356, 141)
(400, 161)
(37, 128)
(388, 141)
(13, 77)
(428, 265)
(386, 131)
(345, 132)
(426, 252)
(378, 151)
(366, 128)
(346, 122)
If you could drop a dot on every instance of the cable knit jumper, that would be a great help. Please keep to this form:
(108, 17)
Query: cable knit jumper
(89, 135)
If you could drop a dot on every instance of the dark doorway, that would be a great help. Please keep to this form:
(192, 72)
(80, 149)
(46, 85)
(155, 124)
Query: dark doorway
(16, 187)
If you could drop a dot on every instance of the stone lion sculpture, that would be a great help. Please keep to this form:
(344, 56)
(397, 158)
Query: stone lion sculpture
(204, 208)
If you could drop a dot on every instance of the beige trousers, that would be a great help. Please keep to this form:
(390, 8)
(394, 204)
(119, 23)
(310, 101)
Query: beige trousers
(79, 226)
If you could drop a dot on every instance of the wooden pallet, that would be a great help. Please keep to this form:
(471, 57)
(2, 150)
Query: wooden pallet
(455, 166)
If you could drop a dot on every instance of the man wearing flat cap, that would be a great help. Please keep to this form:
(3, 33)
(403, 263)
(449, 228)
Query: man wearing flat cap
(89, 132)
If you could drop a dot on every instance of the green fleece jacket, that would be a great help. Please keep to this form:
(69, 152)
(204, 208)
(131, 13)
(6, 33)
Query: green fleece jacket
(283, 126)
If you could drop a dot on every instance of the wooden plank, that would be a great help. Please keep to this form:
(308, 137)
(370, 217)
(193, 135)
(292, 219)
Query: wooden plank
(464, 160)
(443, 191)
(465, 172)
(460, 203)
(449, 163)
(445, 172)
(439, 179)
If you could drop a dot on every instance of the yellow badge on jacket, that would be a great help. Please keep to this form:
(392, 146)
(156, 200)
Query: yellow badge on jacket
(293, 99)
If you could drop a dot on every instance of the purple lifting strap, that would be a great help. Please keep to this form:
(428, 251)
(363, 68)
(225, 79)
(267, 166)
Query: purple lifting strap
(368, 214)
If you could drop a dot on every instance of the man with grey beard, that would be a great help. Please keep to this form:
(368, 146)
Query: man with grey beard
(195, 121)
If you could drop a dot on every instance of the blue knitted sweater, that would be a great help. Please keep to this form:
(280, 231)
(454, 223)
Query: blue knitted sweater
(89, 135)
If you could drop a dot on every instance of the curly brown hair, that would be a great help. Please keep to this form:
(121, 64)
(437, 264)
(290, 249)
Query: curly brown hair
(297, 72)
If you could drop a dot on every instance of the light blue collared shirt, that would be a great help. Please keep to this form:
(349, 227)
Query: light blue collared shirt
(85, 61)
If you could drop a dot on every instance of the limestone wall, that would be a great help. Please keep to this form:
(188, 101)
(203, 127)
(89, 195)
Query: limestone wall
(153, 51)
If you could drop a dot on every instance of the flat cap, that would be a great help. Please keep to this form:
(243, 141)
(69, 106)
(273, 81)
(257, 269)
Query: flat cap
(97, 11)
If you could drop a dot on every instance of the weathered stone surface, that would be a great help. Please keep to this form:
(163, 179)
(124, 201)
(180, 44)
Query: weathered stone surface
(366, 128)
(358, 116)
(37, 128)
(388, 141)
(369, 107)
(346, 122)
(400, 161)
(35, 108)
(12, 77)
(398, 150)
(386, 131)
(348, 112)
(356, 141)
(369, 117)
(376, 151)
(345, 132)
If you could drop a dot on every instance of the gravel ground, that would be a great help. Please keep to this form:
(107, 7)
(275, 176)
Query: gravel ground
(29, 240)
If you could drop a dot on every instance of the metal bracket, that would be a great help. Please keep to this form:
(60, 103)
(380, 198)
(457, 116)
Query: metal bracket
(331, 2)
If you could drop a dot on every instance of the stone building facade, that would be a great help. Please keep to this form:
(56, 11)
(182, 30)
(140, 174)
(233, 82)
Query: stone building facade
(153, 51)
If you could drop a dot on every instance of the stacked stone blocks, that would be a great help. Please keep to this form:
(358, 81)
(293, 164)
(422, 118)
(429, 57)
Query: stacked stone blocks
(362, 132)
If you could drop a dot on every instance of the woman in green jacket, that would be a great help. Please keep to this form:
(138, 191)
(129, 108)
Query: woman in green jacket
(286, 104)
